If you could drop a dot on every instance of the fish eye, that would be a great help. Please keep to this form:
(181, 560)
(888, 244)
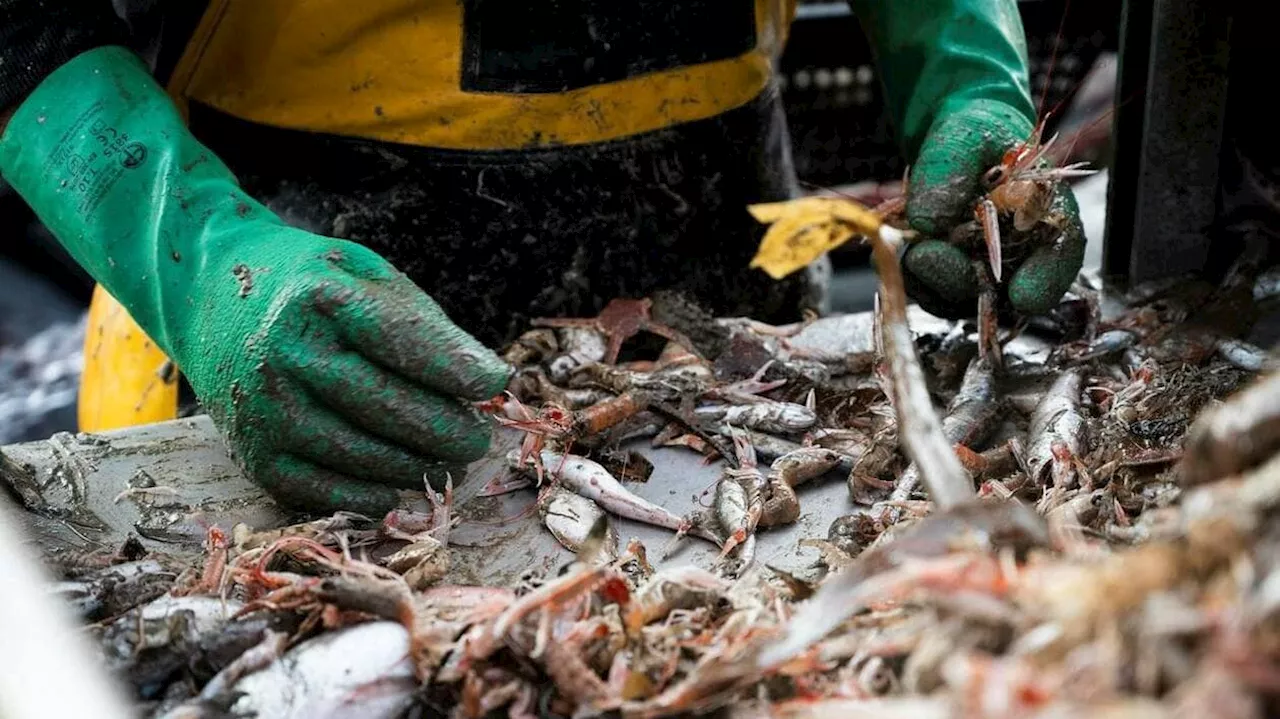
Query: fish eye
(994, 176)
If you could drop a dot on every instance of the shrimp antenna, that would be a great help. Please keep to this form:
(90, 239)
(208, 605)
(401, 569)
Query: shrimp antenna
(1053, 61)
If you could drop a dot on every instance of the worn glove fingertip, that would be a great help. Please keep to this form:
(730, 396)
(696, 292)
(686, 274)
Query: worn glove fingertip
(474, 370)
(934, 206)
(1032, 298)
(300, 486)
(487, 375)
(478, 445)
(945, 268)
(371, 500)
(456, 436)
(940, 278)
(930, 302)
(1041, 281)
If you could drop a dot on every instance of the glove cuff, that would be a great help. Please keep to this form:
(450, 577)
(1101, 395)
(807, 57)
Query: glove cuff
(935, 53)
(100, 153)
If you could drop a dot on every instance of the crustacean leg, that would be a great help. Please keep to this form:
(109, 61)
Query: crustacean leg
(989, 218)
(619, 321)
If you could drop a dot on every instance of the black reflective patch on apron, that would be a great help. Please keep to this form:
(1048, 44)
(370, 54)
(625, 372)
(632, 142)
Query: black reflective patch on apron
(560, 45)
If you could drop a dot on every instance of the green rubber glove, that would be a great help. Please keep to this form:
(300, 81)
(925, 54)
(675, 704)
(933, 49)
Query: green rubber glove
(333, 378)
(957, 87)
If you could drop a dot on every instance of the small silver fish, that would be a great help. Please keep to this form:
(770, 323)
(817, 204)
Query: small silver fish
(766, 416)
(570, 518)
(1056, 432)
(594, 482)
(580, 347)
(731, 512)
(805, 463)
(1246, 356)
(364, 671)
(971, 417)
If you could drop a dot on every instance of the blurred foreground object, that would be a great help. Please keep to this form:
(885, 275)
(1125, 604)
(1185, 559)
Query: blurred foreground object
(47, 670)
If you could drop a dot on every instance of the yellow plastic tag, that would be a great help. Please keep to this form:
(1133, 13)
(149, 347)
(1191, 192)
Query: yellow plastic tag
(804, 229)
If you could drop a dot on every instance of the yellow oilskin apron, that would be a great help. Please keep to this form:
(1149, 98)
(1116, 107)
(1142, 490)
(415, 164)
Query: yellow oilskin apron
(454, 75)
(481, 74)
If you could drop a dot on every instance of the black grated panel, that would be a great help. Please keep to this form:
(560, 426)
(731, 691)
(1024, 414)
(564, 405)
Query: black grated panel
(832, 94)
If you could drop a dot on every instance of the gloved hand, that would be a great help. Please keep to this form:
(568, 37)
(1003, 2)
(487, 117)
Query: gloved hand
(944, 187)
(333, 378)
(956, 84)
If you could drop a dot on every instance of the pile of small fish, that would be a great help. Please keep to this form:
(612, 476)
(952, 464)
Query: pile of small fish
(1087, 534)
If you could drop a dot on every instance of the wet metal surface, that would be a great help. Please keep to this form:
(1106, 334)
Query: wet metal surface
(165, 483)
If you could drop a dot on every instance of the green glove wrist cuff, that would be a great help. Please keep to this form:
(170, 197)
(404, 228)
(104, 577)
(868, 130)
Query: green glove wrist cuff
(102, 156)
(937, 56)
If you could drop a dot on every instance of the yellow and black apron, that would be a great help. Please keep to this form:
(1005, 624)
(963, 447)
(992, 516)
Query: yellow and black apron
(516, 159)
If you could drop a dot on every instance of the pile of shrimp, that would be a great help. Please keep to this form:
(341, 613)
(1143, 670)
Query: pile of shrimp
(1093, 431)
(1089, 533)
(988, 610)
